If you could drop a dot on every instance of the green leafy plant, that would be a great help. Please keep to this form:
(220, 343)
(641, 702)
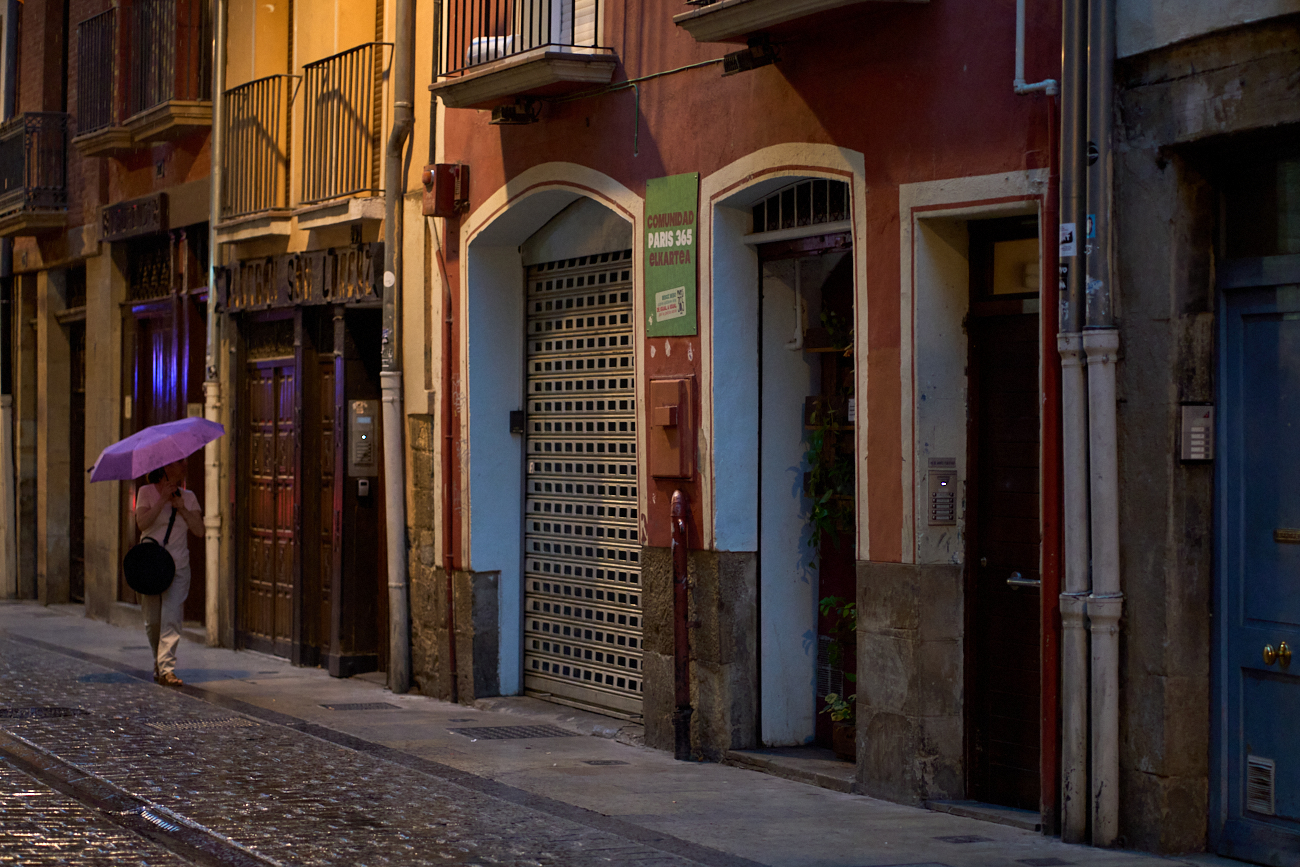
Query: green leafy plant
(839, 331)
(841, 708)
(843, 615)
(830, 481)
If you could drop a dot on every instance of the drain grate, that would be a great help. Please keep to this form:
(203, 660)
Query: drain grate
(40, 712)
(228, 722)
(363, 705)
(1044, 862)
(463, 719)
(108, 677)
(964, 838)
(500, 733)
(603, 762)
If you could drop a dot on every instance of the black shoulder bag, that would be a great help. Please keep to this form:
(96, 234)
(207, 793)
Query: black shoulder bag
(149, 566)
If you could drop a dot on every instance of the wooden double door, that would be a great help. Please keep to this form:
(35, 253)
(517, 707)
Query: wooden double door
(312, 578)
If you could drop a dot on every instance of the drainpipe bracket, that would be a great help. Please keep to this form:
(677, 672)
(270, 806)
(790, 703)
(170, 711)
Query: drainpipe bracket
(1101, 345)
(1070, 346)
(1104, 612)
(1047, 86)
(1074, 610)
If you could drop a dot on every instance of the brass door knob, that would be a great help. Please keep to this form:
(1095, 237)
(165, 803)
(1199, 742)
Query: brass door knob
(1270, 655)
(1283, 654)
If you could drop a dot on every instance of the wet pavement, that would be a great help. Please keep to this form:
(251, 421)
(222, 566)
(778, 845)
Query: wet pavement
(257, 762)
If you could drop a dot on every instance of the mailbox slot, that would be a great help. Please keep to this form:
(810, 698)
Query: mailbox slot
(672, 432)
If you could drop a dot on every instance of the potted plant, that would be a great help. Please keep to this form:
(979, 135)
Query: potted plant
(842, 709)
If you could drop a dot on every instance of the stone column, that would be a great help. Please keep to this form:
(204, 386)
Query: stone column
(53, 381)
(24, 384)
(105, 292)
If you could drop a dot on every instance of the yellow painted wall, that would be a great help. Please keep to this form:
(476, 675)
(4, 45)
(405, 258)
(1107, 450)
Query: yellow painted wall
(327, 27)
(257, 39)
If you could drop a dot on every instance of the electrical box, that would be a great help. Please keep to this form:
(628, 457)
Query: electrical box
(672, 430)
(446, 189)
(1197, 439)
(941, 504)
(363, 438)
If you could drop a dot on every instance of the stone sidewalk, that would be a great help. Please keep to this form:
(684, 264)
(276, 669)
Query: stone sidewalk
(289, 765)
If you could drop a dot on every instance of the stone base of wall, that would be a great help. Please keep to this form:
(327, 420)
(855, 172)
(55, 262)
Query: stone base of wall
(476, 631)
(910, 650)
(724, 650)
(474, 596)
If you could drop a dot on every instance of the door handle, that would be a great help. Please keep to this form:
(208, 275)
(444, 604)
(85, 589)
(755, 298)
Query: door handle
(1018, 580)
(1281, 654)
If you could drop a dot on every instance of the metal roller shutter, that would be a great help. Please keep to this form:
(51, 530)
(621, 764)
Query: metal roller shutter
(582, 547)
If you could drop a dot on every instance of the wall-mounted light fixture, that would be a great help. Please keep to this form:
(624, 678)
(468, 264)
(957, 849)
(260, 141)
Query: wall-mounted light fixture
(525, 110)
(761, 52)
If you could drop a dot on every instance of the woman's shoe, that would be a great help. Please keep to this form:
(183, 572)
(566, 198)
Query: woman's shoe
(167, 678)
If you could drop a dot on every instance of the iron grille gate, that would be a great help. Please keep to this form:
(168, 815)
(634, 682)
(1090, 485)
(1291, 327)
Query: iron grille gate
(582, 548)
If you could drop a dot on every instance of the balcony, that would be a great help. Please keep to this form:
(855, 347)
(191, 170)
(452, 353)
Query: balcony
(98, 132)
(33, 174)
(736, 20)
(342, 129)
(495, 51)
(255, 165)
(170, 73)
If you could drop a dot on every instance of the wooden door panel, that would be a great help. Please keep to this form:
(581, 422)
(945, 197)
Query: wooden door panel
(325, 472)
(266, 618)
(1005, 534)
(1258, 574)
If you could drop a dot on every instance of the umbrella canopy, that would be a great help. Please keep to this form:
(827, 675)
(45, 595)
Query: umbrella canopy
(154, 447)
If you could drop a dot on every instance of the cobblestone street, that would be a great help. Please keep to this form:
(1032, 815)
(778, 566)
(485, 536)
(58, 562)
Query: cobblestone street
(100, 766)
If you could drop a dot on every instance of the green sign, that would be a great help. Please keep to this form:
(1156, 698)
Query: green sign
(670, 238)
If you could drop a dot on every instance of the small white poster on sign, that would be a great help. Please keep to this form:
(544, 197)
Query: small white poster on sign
(670, 304)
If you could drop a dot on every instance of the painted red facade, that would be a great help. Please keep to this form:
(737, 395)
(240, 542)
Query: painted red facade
(923, 91)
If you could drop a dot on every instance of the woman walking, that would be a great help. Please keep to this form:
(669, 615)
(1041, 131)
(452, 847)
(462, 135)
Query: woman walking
(162, 504)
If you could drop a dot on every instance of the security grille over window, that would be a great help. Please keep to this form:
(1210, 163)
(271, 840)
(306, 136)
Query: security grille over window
(807, 203)
(95, 68)
(582, 546)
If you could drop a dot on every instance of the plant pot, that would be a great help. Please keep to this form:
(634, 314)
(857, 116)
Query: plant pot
(844, 741)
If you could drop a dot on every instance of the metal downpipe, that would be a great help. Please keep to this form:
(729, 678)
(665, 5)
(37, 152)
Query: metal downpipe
(390, 377)
(211, 367)
(1074, 428)
(1101, 342)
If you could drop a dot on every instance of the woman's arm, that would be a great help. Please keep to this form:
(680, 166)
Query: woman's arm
(193, 517)
(146, 515)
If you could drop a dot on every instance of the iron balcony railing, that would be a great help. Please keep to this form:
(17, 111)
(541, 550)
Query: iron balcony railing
(170, 53)
(95, 71)
(481, 31)
(255, 168)
(342, 122)
(33, 162)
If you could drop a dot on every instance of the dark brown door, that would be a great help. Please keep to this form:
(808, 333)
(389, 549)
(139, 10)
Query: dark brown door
(268, 544)
(319, 409)
(77, 464)
(1003, 523)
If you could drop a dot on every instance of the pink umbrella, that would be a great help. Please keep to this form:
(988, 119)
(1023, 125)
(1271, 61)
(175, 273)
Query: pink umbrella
(154, 447)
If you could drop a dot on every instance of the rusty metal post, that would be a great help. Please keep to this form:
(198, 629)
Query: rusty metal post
(682, 626)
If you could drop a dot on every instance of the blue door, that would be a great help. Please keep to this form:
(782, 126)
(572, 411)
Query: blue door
(1255, 785)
